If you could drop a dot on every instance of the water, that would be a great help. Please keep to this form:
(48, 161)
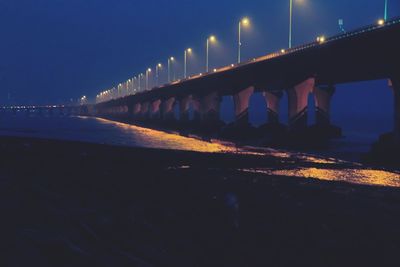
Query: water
(109, 132)
(94, 130)
(100, 131)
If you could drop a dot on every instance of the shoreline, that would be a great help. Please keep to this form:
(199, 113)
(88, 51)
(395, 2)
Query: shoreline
(317, 146)
(100, 205)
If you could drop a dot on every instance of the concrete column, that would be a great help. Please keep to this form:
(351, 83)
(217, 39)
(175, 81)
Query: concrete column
(168, 109)
(196, 105)
(273, 100)
(184, 107)
(241, 104)
(394, 83)
(323, 96)
(155, 109)
(136, 109)
(144, 110)
(298, 104)
(210, 107)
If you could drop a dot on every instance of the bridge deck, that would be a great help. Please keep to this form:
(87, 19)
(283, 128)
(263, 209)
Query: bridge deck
(367, 53)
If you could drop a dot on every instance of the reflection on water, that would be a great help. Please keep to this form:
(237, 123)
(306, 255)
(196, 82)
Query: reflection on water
(158, 139)
(114, 133)
(357, 176)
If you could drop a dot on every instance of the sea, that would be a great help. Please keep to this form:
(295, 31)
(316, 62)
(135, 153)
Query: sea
(339, 162)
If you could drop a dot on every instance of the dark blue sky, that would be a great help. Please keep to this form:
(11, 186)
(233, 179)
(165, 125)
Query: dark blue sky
(55, 50)
(52, 50)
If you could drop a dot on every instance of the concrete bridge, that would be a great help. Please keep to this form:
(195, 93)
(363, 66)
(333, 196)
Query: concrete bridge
(369, 53)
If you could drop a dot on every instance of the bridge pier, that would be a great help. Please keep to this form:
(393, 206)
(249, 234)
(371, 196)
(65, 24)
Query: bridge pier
(196, 105)
(272, 99)
(184, 104)
(155, 110)
(240, 128)
(210, 107)
(394, 83)
(323, 96)
(241, 104)
(324, 128)
(298, 104)
(144, 110)
(168, 109)
(387, 149)
(206, 112)
(136, 110)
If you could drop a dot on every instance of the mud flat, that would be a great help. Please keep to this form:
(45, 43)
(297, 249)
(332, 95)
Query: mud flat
(78, 204)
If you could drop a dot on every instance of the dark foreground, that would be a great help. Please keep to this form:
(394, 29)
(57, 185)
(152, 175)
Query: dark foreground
(75, 204)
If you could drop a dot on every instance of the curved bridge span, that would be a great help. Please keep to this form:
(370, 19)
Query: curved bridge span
(368, 53)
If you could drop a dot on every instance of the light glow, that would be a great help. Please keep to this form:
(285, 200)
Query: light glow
(245, 21)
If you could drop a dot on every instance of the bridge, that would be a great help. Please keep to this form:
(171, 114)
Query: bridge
(368, 53)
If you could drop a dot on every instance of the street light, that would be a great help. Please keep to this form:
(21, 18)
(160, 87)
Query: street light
(291, 20)
(134, 84)
(243, 22)
(128, 86)
(148, 71)
(119, 90)
(187, 51)
(211, 39)
(321, 39)
(140, 81)
(158, 67)
(386, 11)
(170, 61)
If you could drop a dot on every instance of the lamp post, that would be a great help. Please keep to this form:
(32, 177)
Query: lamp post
(139, 81)
(290, 22)
(170, 61)
(158, 67)
(291, 8)
(148, 71)
(187, 51)
(242, 22)
(119, 90)
(127, 86)
(210, 39)
(386, 11)
(134, 84)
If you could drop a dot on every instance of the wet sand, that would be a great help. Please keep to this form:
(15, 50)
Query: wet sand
(79, 204)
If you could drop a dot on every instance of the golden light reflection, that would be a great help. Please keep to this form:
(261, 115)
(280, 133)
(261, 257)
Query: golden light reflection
(158, 139)
(317, 160)
(322, 168)
(356, 176)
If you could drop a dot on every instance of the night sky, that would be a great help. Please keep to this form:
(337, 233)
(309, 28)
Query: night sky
(55, 50)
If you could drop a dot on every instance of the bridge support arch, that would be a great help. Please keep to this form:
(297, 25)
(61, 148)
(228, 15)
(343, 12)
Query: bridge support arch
(168, 109)
(196, 105)
(136, 110)
(155, 109)
(144, 110)
(272, 99)
(323, 96)
(241, 104)
(298, 104)
(184, 104)
(210, 107)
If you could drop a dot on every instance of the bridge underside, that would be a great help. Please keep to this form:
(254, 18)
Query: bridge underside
(316, 69)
